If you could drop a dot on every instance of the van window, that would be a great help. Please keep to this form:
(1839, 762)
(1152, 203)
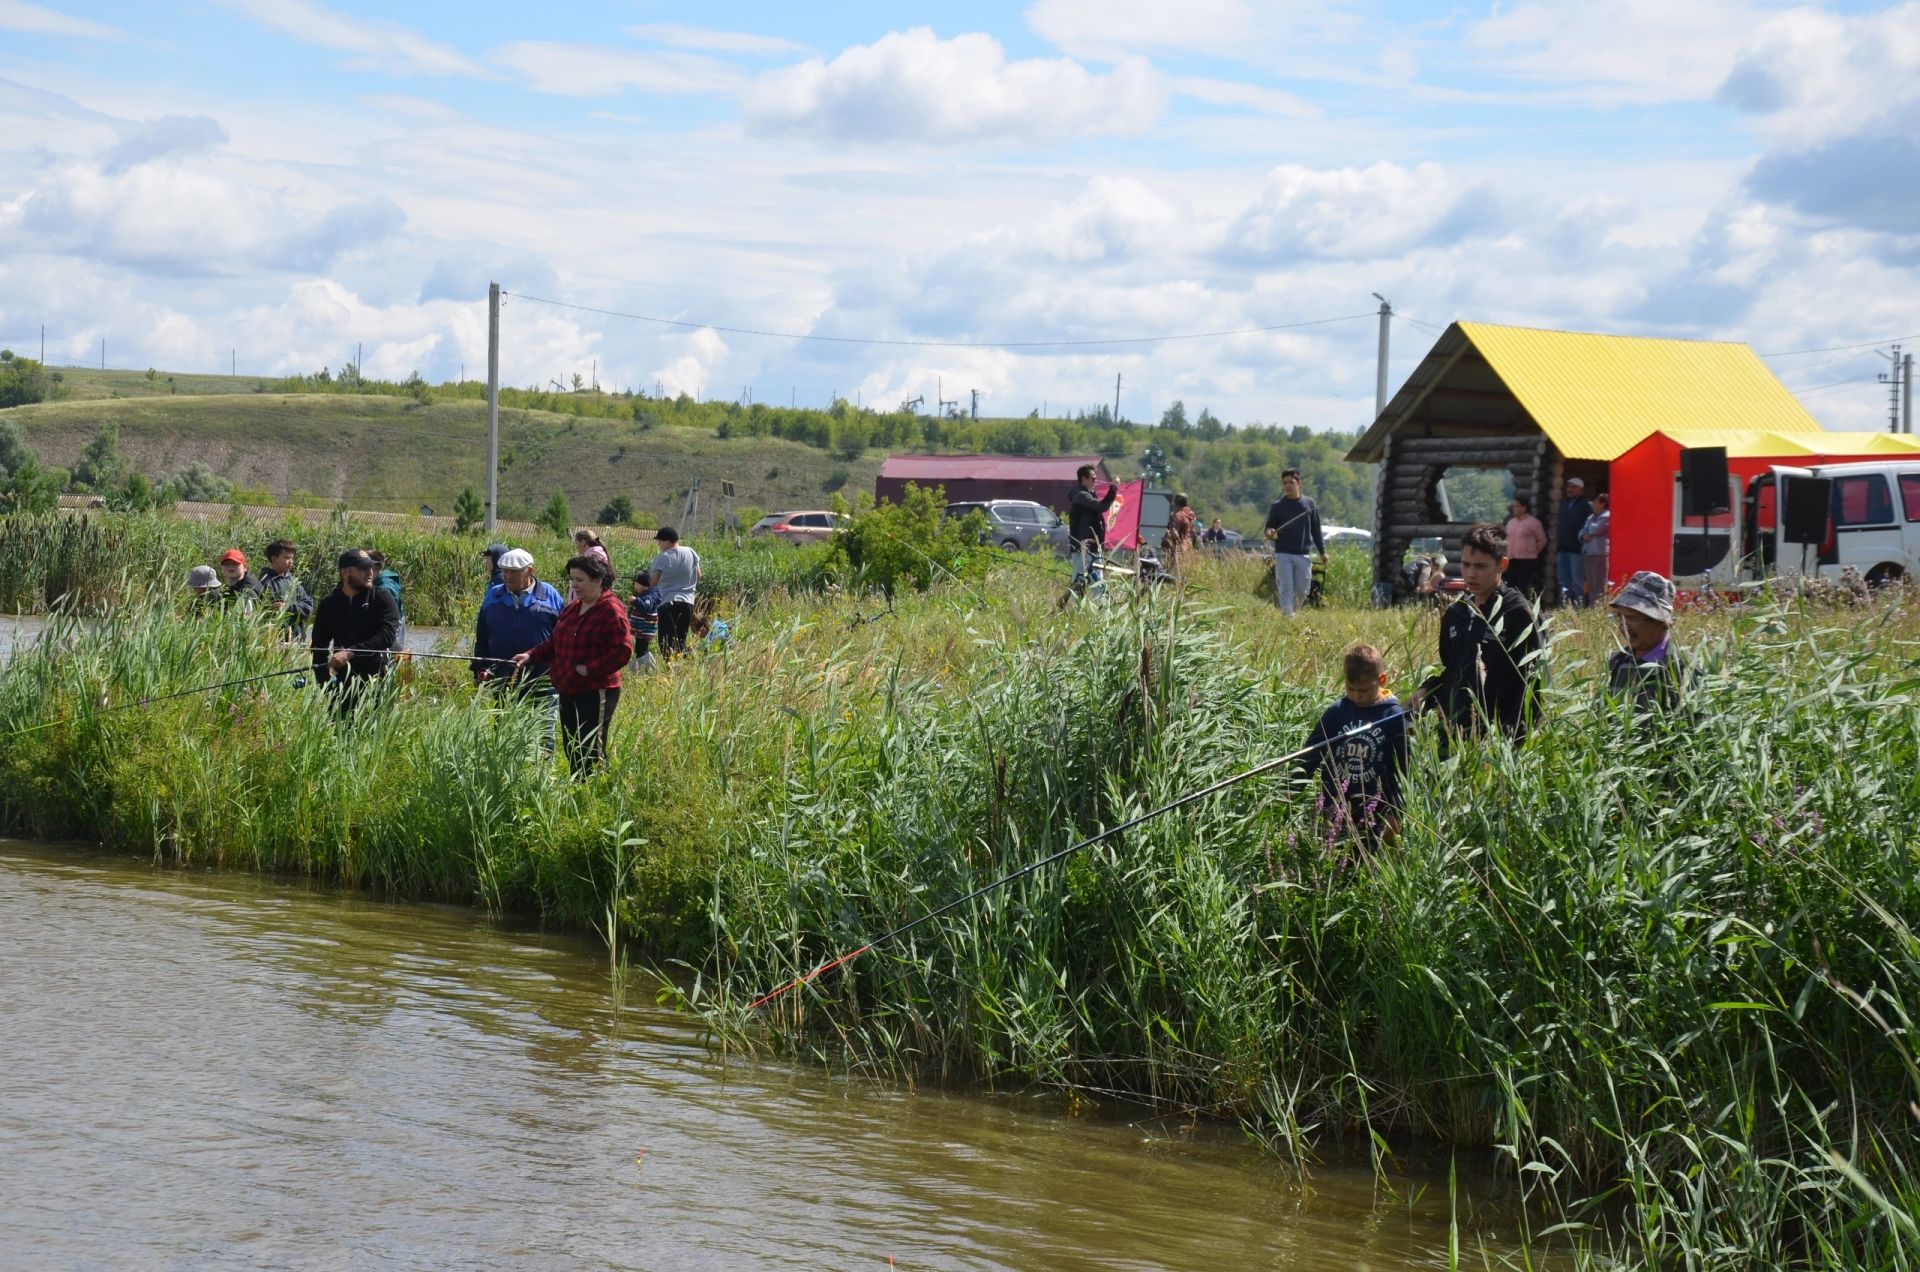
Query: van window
(1862, 501)
(1910, 495)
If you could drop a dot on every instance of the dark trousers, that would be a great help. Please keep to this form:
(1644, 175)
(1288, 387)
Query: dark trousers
(585, 720)
(675, 618)
(347, 692)
(1523, 575)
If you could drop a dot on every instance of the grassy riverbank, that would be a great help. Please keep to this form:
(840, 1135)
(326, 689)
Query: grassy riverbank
(1664, 970)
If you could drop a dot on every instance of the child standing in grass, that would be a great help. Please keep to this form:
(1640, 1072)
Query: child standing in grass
(1360, 747)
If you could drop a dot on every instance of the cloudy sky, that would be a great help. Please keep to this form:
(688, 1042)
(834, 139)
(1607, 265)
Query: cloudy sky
(285, 178)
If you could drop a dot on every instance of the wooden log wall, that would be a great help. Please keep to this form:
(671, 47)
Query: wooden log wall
(1408, 505)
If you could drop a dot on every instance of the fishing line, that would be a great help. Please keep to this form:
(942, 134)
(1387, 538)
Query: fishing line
(1265, 766)
(158, 698)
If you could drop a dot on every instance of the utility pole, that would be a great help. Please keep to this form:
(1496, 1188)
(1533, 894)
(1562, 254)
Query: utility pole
(1380, 372)
(493, 405)
(1895, 383)
(103, 353)
(595, 378)
(1906, 394)
(1116, 397)
(233, 362)
(975, 410)
(43, 344)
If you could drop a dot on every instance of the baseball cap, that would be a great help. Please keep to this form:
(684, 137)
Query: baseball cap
(235, 555)
(353, 558)
(1576, 481)
(203, 578)
(1647, 593)
(516, 559)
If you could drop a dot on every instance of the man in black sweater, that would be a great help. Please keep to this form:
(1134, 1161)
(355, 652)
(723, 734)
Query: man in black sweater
(1574, 511)
(355, 627)
(1490, 647)
(1087, 527)
(1293, 523)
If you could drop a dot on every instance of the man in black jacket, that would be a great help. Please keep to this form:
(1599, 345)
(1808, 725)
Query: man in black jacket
(354, 630)
(1087, 527)
(1490, 646)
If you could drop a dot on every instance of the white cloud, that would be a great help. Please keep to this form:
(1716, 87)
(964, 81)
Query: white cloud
(178, 218)
(1815, 75)
(16, 15)
(1111, 29)
(586, 70)
(1268, 101)
(1618, 51)
(691, 371)
(916, 87)
(170, 134)
(707, 40)
(1358, 214)
(370, 44)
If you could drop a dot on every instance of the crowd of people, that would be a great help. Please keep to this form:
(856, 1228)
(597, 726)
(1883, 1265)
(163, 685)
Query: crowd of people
(529, 641)
(1582, 542)
(569, 651)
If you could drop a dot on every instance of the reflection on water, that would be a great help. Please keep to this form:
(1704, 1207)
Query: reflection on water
(210, 1070)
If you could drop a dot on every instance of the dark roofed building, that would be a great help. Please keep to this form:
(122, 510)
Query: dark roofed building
(1045, 479)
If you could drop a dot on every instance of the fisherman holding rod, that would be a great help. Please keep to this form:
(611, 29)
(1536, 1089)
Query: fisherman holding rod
(355, 628)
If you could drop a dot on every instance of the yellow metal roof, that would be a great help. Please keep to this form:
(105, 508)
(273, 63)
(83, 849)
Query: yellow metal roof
(1597, 396)
(1754, 444)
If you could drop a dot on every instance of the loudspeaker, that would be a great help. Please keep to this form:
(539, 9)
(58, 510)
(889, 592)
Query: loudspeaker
(1703, 481)
(1804, 508)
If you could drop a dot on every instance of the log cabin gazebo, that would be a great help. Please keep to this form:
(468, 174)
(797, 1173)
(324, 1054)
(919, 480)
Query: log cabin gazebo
(1545, 406)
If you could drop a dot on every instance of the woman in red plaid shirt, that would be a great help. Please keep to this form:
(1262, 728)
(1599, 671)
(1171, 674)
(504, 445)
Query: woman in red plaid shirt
(591, 642)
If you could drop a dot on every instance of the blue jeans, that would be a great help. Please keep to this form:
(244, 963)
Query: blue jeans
(1086, 568)
(1572, 577)
(1292, 580)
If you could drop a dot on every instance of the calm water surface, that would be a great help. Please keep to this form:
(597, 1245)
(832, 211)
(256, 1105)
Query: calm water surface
(202, 1070)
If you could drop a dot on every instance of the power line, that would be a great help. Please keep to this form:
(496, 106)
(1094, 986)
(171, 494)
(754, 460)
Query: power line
(1865, 344)
(939, 344)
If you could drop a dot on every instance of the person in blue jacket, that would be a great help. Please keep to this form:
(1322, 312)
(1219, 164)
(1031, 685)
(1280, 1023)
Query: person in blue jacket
(1360, 749)
(518, 613)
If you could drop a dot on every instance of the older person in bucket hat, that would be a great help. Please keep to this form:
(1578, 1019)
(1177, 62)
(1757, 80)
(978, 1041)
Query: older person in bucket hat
(1649, 670)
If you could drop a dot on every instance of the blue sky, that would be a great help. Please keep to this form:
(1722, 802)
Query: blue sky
(290, 178)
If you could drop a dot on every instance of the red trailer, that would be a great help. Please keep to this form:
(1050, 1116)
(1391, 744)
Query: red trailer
(1045, 479)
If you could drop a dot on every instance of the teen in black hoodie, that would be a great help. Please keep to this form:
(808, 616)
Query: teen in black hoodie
(1490, 646)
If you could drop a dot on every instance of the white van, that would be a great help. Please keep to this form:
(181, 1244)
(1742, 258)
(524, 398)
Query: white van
(1872, 524)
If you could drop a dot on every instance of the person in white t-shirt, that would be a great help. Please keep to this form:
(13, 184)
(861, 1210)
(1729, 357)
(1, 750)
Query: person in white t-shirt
(676, 572)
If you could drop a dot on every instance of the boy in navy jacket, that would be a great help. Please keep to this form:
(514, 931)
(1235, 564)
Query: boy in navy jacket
(1360, 748)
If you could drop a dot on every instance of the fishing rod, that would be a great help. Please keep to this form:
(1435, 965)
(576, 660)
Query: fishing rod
(1265, 766)
(164, 697)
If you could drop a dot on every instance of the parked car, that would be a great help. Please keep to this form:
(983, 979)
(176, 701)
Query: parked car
(1348, 534)
(811, 526)
(1017, 524)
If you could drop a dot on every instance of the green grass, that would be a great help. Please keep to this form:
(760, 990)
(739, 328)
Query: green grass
(1664, 972)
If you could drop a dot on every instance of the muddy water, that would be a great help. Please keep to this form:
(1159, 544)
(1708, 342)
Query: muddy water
(202, 1070)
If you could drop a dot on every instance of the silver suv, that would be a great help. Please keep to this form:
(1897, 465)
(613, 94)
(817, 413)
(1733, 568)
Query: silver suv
(1017, 524)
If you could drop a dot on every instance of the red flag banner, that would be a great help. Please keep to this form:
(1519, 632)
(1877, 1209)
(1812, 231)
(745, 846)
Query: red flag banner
(1123, 519)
